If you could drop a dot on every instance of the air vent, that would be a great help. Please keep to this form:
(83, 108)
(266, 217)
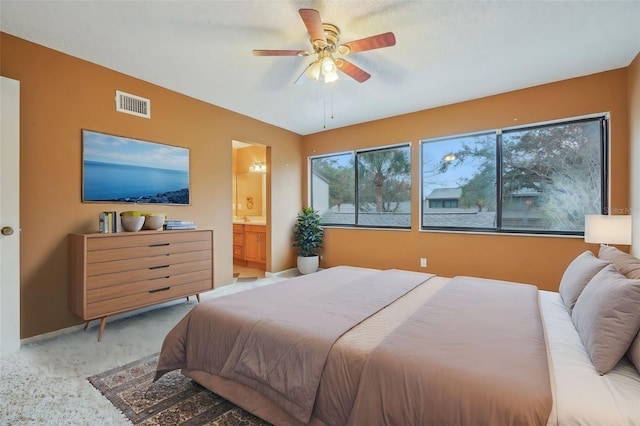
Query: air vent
(132, 104)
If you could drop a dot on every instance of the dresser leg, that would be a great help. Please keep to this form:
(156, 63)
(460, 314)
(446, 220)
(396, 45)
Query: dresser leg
(198, 297)
(86, 324)
(103, 322)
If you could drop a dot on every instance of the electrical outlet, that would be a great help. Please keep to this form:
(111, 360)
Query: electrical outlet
(423, 262)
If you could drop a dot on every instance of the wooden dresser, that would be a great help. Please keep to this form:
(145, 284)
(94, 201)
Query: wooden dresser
(119, 272)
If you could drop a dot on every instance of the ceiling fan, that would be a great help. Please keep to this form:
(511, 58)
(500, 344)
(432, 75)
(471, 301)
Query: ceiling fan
(325, 42)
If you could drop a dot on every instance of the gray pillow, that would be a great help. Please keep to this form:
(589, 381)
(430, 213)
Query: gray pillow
(607, 317)
(627, 265)
(577, 275)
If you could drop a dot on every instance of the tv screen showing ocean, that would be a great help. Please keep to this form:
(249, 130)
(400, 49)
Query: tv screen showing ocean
(118, 182)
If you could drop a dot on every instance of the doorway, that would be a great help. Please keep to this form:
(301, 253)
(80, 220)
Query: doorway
(9, 216)
(251, 236)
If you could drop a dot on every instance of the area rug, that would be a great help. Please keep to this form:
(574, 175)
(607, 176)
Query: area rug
(173, 400)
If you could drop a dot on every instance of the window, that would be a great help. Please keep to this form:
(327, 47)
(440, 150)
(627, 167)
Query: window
(369, 188)
(535, 179)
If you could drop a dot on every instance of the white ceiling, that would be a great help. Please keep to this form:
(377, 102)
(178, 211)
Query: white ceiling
(446, 51)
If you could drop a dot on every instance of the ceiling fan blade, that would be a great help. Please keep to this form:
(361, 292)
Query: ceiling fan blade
(368, 43)
(357, 73)
(312, 21)
(280, 53)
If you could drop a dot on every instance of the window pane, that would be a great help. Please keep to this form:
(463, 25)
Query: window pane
(384, 187)
(333, 189)
(459, 182)
(552, 176)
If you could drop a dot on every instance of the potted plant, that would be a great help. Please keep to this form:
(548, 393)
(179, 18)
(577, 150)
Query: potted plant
(307, 238)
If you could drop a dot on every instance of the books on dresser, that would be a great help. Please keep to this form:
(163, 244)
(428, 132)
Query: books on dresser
(179, 224)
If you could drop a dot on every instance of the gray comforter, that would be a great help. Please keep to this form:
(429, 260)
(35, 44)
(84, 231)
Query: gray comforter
(473, 353)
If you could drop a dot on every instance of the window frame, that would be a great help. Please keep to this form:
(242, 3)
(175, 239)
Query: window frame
(604, 126)
(355, 154)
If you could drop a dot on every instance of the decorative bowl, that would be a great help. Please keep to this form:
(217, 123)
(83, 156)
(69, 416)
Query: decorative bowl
(132, 223)
(153, 221)
(131, 213)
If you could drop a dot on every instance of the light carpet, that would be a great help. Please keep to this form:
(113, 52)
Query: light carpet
(45, 383)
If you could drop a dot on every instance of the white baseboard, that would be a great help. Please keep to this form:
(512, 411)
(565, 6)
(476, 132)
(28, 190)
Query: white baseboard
(291, 272)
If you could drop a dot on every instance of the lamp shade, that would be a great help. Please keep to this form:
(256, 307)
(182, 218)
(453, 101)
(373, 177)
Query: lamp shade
(603, 229)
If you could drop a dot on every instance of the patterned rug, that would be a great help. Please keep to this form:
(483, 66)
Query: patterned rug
(173, 400)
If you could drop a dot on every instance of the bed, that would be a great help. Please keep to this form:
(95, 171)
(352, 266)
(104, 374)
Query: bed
(358, 346)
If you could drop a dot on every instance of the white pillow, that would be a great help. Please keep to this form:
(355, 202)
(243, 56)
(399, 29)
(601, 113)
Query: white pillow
(607, 317)
(579, 272)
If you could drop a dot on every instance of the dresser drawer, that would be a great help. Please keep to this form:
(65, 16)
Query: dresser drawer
(124, 277)
(142, 263)
(145, 287)
(145, 239)
(135, 301)
(157, 249)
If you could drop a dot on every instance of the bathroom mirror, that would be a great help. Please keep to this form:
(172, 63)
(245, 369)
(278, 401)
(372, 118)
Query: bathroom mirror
(249, 194)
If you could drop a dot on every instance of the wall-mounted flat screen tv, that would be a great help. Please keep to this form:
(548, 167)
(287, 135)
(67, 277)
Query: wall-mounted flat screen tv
(117, 169)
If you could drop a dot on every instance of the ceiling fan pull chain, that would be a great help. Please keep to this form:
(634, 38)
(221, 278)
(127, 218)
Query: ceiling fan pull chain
(324, 114)
(332, 104)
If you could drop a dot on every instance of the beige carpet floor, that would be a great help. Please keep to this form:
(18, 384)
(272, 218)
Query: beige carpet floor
(45, 383)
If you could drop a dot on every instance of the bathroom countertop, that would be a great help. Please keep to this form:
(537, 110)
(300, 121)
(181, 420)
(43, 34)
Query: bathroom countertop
(251, 222)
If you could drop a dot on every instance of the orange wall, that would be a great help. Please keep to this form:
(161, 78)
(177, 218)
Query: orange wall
(633, 78)
(533, 259)
(59, 96)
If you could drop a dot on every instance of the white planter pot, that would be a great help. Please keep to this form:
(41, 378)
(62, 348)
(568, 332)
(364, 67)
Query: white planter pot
(308, 265)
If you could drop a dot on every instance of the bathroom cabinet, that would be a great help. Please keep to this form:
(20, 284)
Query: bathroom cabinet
(250, 245)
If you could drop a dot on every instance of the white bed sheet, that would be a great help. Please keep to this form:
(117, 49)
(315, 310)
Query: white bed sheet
(582, 396)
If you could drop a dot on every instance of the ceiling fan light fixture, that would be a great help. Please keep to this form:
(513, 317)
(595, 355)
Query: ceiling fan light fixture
(328, 65)
(313, 71)
(329, 69)
(330, 77)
